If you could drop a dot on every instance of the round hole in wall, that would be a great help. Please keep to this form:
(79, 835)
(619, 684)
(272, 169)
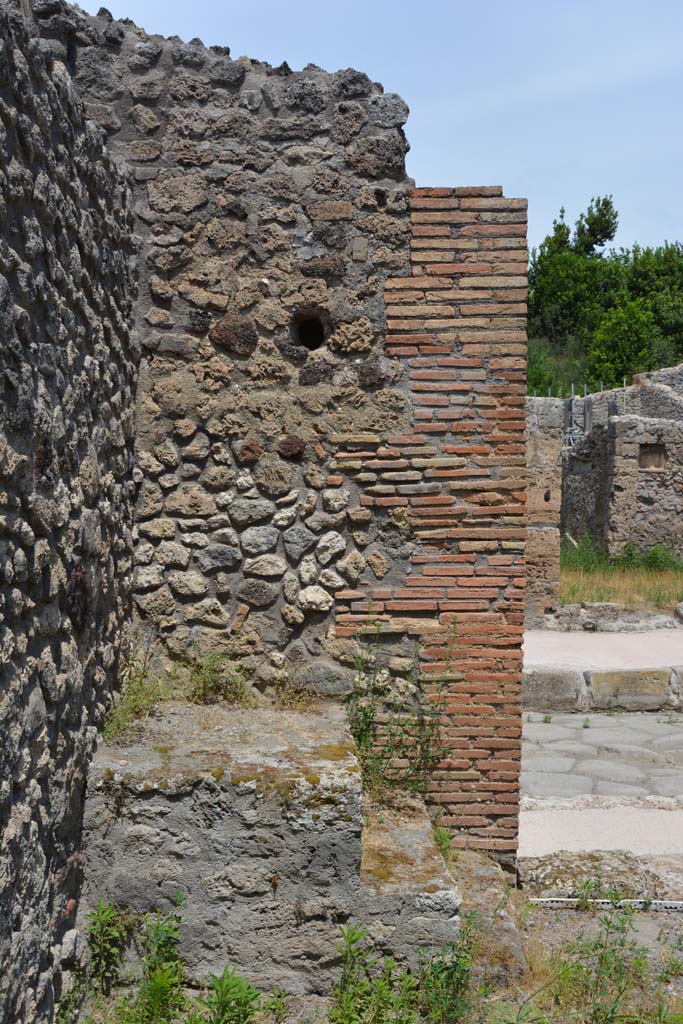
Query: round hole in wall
(546, 496)
(380, 197)
(308, 330)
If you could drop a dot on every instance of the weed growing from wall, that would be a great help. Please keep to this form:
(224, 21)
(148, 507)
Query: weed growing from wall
(142, 690)
(397, 731)
(214, 677)
(199, 679)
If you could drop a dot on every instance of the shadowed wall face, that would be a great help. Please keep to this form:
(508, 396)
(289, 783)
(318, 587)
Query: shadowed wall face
(68, 365)
(545, 426)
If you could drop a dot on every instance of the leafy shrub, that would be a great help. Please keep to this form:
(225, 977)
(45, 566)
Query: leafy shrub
(231, 999)
(445, 979)
(624, 342)
(586, 556)
(109, 931)
(371, 990)
(658, 558)
(597, 315)
(160, 997)
(162, 938)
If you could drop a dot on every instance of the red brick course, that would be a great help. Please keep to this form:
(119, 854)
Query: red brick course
(458, 325)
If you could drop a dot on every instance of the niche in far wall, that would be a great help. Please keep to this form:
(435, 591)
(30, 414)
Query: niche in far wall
(652, 456)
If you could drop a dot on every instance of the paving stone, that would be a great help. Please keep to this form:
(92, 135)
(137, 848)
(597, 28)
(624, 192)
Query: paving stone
(572, 747)
(604, 788)
(547, 761)
(538, 732)
(611, 771)
(668, 787)
(555, 784)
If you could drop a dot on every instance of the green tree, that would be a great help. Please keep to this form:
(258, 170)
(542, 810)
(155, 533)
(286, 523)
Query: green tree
(583, 300)
(597, 226)
(570, 284)
(624, 343)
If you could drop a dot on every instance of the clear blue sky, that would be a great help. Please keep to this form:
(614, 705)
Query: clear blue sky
(556, 100)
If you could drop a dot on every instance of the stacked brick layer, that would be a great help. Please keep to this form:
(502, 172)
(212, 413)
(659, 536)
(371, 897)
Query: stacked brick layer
(458, 325)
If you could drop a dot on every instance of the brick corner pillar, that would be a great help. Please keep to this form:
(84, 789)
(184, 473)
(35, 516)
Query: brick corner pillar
(459, 324)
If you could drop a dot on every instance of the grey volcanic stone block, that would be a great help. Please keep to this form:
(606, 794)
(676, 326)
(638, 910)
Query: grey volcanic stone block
(554, 689)
(298, 540)
(259, 539)
(245, 511)
(327, 677)
(217, 557)
(256, 817)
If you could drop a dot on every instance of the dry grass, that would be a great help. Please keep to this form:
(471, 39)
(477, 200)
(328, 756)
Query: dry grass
(630, 587)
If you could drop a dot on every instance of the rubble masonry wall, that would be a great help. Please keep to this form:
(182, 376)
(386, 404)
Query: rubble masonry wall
(68, 365)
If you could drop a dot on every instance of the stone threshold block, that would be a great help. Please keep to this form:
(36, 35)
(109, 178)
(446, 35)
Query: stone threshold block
(257, 818)
(547, 689)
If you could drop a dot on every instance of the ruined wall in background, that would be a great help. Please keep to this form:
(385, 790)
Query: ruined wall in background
(613, 484)
(646, 484)
(670, 376)
(545, 425)
(587, 482)
(68, 363)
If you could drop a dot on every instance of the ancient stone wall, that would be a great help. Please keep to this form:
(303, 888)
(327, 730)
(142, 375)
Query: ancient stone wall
(68, 363)
(587, 481)
(616, 484)
(545, 425)
(272, 206)
(331, 401)
(646, 484)
(670, 376)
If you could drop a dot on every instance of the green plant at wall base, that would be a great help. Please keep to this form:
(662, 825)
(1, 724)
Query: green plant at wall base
(162, 938)
(444, 840)
(397, 735)
(231, 999)
(214, 677)
(160, 997)
(372, 990)
(600, 978)
(276, 1006)
(445, 978)
(142, 691)
(110, 928)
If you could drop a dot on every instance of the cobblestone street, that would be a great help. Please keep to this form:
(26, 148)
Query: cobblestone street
(603, 782)
(630, 755)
